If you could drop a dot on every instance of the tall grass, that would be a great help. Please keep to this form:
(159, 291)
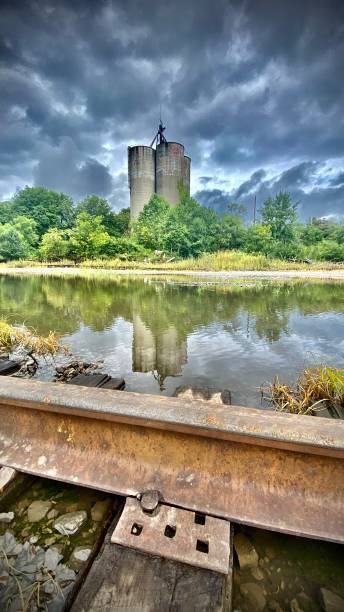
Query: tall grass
(217, 262)
(317, 388)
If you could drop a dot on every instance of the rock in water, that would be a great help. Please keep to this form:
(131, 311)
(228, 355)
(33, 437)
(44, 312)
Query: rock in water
(52, 558)
(99, 510)
(331, 601)
(37, 510)
(6, 517)
(245, 550)
(79, 556)
(294, 606)
(69, 524)
(254, 594)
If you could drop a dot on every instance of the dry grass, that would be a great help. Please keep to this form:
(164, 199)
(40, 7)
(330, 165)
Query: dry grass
(316, 388)
(217, 262)
(12, 338)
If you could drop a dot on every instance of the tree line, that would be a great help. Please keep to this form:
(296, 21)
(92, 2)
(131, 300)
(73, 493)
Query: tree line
(41, 224)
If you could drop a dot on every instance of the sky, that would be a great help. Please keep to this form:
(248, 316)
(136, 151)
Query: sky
(254, 90)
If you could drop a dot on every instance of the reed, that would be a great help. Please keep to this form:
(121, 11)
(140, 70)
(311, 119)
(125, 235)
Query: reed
(316, 389)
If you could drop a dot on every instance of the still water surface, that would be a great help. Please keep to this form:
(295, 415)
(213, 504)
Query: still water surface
(161, 334)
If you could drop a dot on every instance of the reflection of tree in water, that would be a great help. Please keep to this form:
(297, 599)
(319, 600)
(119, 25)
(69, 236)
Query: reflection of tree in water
(163, 314)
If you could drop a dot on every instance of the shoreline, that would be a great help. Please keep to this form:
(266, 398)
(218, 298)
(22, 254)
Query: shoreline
(216, 274)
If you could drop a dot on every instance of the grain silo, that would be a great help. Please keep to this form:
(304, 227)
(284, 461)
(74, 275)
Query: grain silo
(169, 167)
(164, 171)
(141, 175)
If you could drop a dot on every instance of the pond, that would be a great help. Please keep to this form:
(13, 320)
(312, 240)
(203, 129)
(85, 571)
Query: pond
(159, 334)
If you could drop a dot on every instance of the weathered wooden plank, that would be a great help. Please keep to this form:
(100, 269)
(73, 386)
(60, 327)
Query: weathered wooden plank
(8, 366)
(114, 384)
(89, 380)
(124, 579)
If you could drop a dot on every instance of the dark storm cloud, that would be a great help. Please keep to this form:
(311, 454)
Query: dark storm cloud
(248, 87)
(300, 181)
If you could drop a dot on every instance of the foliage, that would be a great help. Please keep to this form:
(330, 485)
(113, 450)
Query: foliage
(316, 388)
(280, 214)
(47, 208)
(54, 245)
(88, 238)
(12, 243)
(120, 222)
(27, 228)
(39, 223)
(327, 250)
(258, 239)
(148, 230)
(6, 214)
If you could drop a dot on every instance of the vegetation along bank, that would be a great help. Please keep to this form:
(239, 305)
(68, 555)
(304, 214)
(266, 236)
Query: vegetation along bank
(39, 225)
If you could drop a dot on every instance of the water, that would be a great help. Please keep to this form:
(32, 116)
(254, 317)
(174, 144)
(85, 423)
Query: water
(159, 334)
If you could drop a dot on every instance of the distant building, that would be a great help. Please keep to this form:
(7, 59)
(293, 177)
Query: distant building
(161, 170)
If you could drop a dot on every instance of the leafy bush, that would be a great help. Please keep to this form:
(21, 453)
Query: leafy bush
(54, 245)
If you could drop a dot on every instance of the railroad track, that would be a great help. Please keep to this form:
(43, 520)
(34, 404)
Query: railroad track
(168, 456)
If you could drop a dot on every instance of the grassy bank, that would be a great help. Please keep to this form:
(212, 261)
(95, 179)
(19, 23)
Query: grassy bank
(217, 262)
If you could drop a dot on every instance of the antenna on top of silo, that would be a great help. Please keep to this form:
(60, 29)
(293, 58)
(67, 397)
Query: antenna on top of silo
(159, 136)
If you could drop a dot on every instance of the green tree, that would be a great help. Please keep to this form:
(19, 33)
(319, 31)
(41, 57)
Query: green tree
(12, 243)
(259, 239)
(281, 215)
(54, 245)
(121, 222)
(97, 207)
(148, 230)
(329, 250)
(47, 208)
(311, 234)
(232, 233)
(88, 238)
(6, 212)
(27, 228)
(198, 226)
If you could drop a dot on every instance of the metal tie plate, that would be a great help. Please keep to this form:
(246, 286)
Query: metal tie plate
(181, 535)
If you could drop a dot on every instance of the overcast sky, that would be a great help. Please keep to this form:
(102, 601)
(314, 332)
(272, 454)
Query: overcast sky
(254, 90)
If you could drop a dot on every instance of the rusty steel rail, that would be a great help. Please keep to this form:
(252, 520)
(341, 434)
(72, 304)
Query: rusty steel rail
(272, 470)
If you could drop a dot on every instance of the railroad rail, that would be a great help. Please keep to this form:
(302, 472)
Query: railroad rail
(272, 470)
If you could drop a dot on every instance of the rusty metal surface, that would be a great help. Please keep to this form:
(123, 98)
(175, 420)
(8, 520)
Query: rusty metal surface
(173, 533)
(274, 471)
(250, 425)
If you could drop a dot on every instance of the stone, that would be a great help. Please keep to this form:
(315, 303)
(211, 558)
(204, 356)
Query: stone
(50, 541)
(254, 594)
(52, 514)
(257, 573)
(51, 559)
(70, 523)
(274, 605)
(295, 606)
(26, 532)
(245, 550)
(100, 509)
(306, 602)
(6, 517)
(207, 394)
(79, 556)
(37, 510)
(33, 539)
(331, 601)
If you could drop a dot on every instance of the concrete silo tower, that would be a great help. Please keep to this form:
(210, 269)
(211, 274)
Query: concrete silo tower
(141, 175)
(162, 171)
